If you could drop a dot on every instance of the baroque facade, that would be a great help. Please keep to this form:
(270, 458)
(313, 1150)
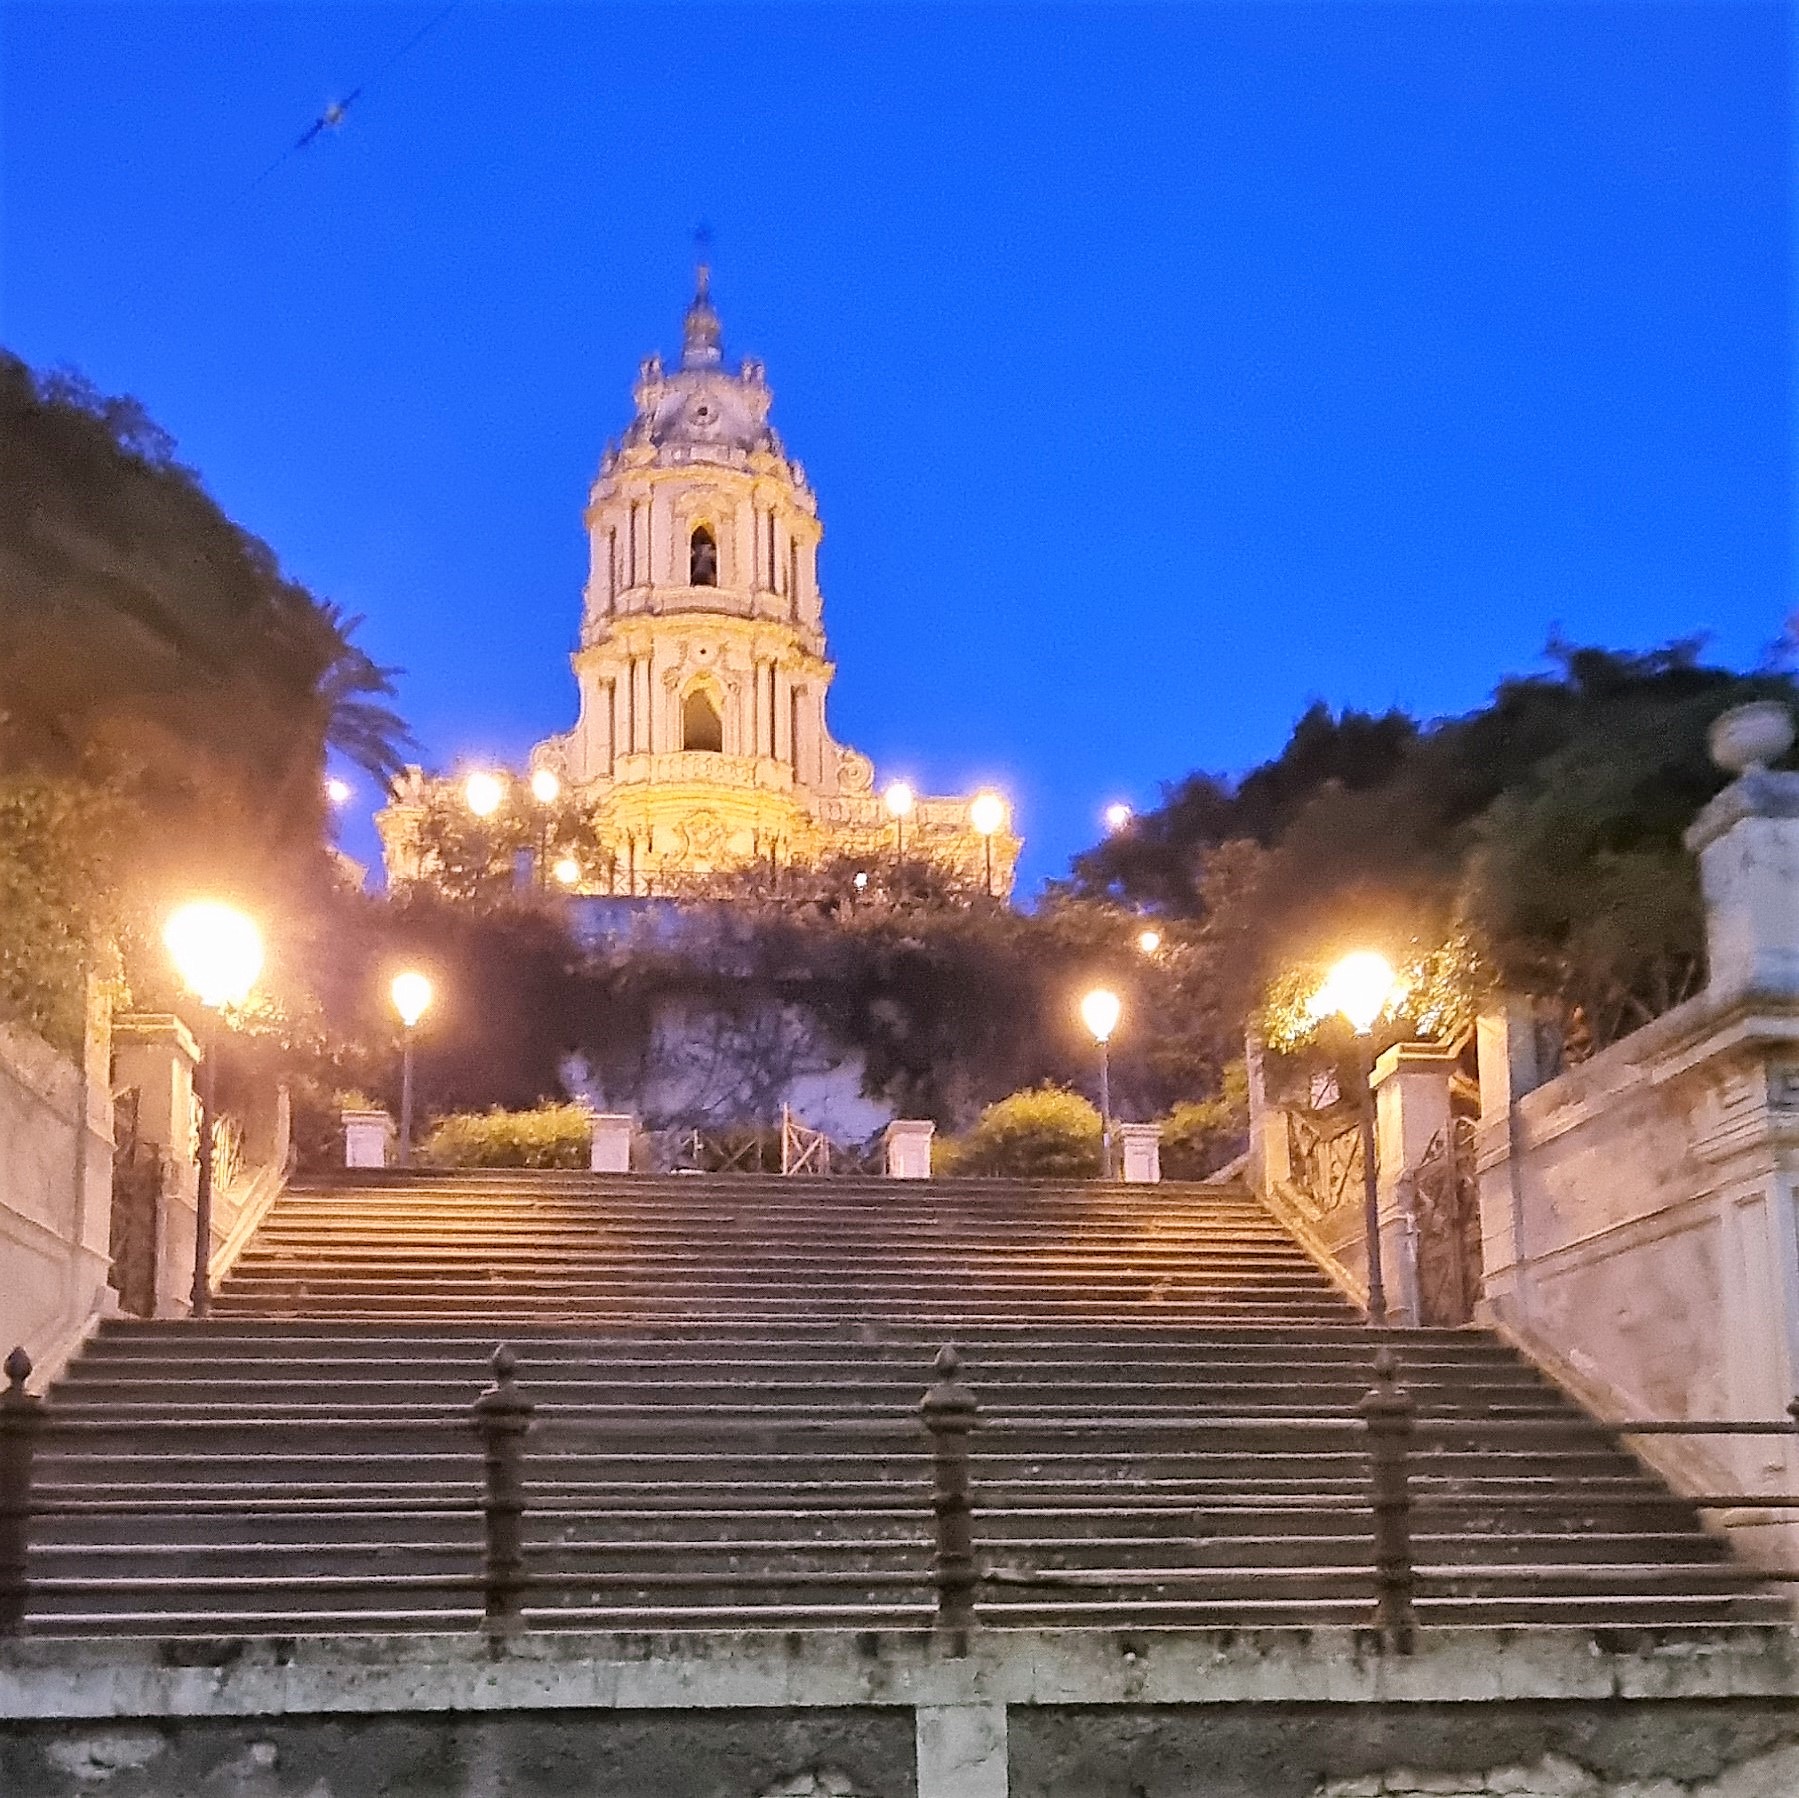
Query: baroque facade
(702, 745)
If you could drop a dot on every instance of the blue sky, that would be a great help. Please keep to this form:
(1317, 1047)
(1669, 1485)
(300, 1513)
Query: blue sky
(1159, 369)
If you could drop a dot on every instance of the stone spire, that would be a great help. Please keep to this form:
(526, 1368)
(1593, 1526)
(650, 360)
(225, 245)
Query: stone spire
(702, 337)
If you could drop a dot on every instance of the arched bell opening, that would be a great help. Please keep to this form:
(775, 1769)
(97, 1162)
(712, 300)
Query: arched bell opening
(702, 727)
(702, 558)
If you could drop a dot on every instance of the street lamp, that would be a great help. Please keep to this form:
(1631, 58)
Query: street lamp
(483, 793)
(217, 951)
(411, 994)
(337, 791)
(1100, 1012)
(899, 799)
(1359, 988)
(1149, 941)
(987, 814)
(546, 789)
(567, 871)
(1118, 815)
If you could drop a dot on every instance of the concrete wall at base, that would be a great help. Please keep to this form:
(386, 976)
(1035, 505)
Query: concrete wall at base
(571, 1754)
(55, 1188)
(1490, 1750)
(1099, 1713)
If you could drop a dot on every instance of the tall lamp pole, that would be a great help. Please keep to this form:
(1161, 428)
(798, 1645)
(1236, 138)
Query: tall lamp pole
(1100, 1012)
(546, 789)
(217, 951)
(899, 801)
(411, 993)
(987, 814)
(1359, 988)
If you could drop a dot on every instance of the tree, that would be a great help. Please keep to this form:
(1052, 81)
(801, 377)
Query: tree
(155, 660)
(1546, 825)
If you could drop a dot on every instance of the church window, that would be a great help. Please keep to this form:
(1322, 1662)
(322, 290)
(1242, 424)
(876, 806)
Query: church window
(701, 726)
(702, 558)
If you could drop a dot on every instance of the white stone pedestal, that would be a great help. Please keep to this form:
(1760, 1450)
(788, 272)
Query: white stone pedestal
(908, 1143)
(1141, 1148)
(611, 1147)
(368, 1139)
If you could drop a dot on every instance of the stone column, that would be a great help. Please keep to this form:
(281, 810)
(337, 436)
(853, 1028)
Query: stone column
(908, 1142)
(1746, 1125)
(1747, 841)
(1142, 1147)
(156, 1054)
(1411, 1109)
(1506, 1047)
(368, 1139)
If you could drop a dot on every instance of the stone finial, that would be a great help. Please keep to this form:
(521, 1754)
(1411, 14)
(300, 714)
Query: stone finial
(18, 1370)
(1747, 738)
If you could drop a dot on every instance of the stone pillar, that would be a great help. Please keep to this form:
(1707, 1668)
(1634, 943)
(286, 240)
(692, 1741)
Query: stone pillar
(908, 1143)
(1270, 1166)
(961, 1750)
(1505, 1037)
(1411, 1109)
(1142, 1146)
(1747, 841)
(610, 1149)
(368, 1139)
(156, 1054)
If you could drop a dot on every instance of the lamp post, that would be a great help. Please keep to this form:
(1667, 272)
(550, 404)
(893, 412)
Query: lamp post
(899, 800)
(546, 789)
(483, 793)
(1359, 988)
(1100, 1011)
(987, 814)
(217, 951)
(411, 993)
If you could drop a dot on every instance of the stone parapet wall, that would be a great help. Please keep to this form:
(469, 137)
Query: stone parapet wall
(1103, 1713)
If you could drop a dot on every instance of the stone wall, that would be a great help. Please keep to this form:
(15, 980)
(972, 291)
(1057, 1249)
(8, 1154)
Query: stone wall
(1100, 1713)
(55, 1188)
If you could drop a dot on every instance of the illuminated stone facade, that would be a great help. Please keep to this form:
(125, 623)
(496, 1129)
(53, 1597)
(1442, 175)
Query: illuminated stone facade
(702, 743)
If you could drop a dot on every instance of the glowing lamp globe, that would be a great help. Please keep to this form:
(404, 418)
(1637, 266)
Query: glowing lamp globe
(546, 789)
(482, 794)
(1118, 815)
(1360, 987)
(567, 871)
(899, 799)
(337, 791)
(1149, 941)
(1100, 1012)
(411, 996)
(987, 813)
(217, 951)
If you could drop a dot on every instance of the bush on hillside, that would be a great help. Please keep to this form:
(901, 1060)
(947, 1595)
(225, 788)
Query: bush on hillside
(549, 1136)
(1201, 1137)
(1044, 1133)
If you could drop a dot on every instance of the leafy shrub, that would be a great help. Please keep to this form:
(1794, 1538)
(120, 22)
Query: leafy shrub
(1200, 1137)
(1046, 1132)
(549, 1136)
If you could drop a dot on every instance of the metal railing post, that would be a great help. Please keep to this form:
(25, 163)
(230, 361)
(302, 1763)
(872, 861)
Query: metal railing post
(1388, 1411)
(502, 1415)
(21, 1417)
(949, 1410)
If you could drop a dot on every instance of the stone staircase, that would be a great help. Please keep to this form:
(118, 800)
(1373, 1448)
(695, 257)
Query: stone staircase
(727, 1372)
